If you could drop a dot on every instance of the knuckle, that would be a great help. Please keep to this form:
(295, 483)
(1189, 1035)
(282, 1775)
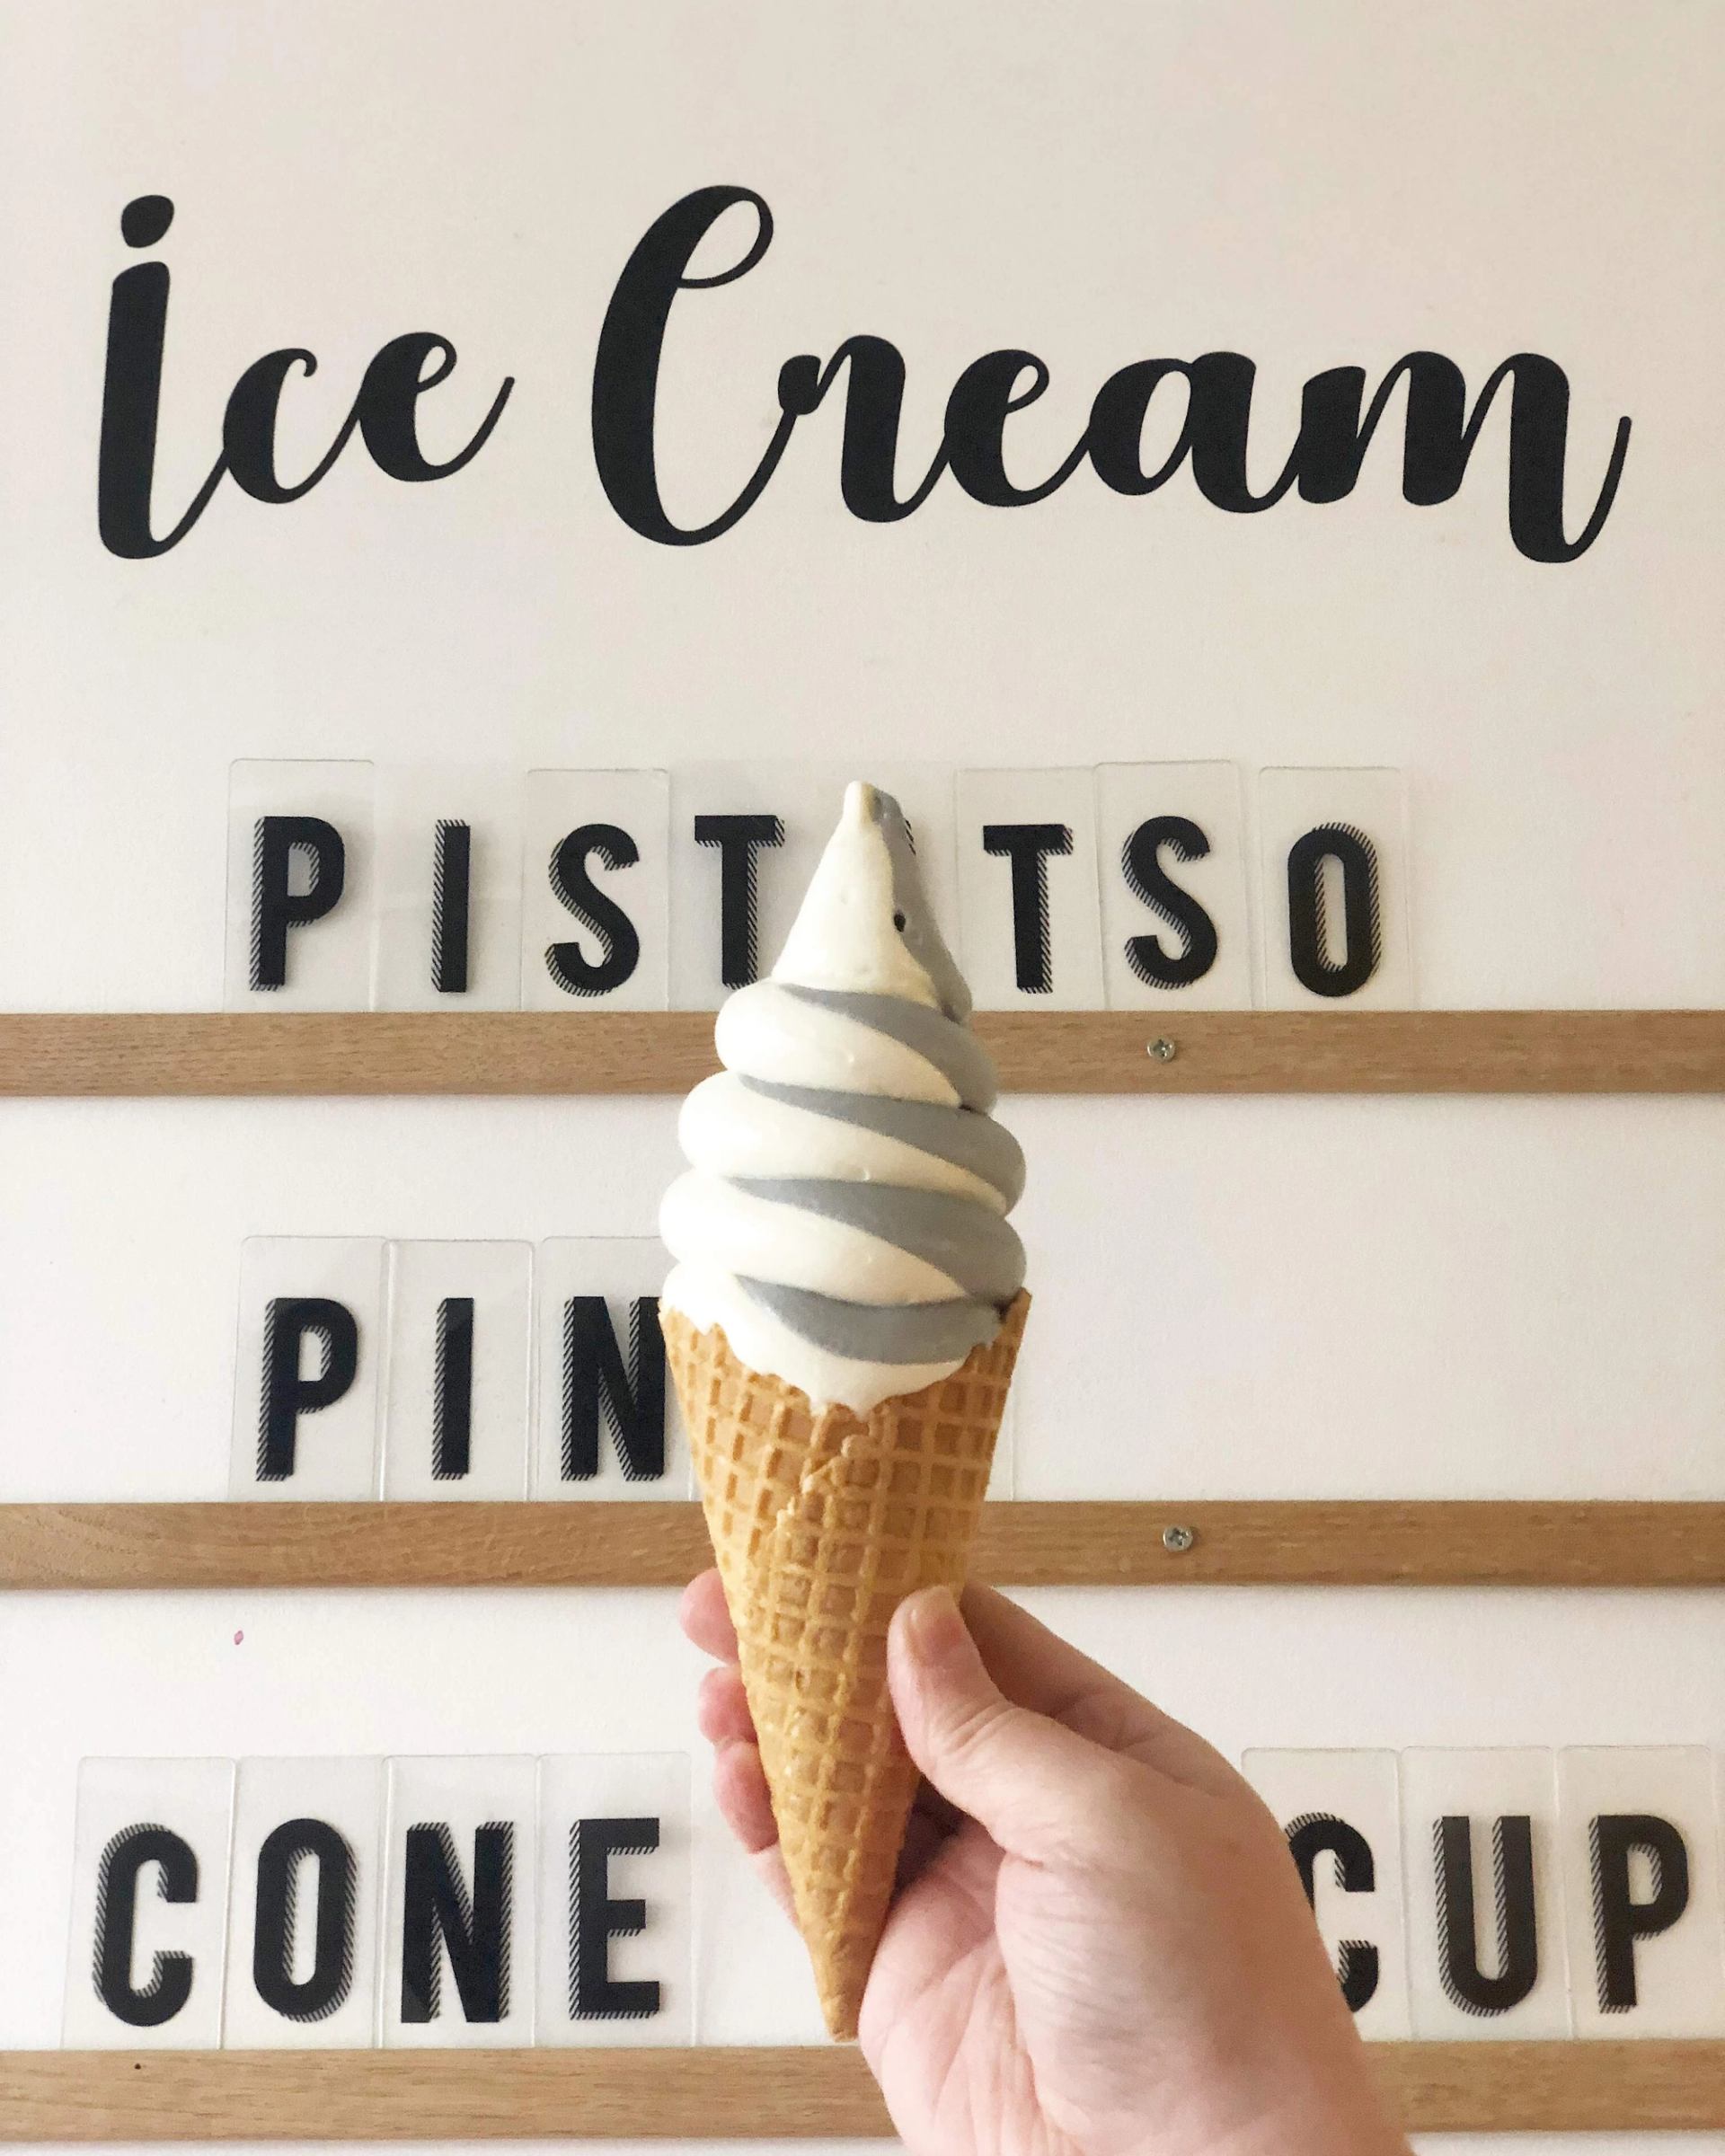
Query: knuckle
(972, 1729)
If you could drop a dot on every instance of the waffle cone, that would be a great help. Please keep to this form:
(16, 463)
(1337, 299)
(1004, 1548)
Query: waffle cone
(822, 1521)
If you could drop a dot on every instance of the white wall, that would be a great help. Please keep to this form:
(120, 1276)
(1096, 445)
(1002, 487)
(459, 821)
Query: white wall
(1521, 1296)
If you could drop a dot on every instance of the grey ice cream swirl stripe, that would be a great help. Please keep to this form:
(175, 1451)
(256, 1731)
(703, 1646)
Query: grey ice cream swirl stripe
(953, 1049)
(961, 1236)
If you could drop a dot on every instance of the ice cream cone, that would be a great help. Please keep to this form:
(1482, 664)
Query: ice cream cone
(822, 1521)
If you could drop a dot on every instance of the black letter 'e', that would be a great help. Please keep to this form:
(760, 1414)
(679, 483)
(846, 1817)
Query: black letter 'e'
(1146, 880)
(1317, 1834)
(274, 909)
(1619, 1920)
(169, 1984)
(571, 969)
(595, 1919)
(319, 1994)
(1357, 858)
(386, 406)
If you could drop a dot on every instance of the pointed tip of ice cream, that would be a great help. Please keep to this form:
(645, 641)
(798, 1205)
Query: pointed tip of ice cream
(866, 923)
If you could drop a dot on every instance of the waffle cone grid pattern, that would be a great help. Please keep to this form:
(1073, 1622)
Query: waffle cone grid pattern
(822, 1521)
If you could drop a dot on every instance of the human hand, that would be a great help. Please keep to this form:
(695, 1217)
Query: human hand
(1099, 1946)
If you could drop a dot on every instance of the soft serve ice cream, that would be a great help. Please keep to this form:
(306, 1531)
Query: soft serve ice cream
(844, 1218)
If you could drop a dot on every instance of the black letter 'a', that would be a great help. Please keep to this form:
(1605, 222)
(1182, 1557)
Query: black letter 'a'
(571, 969)
(1308, 951)
(275, 909)
(1618, 1918)
(281, 1887)
(594, 1381)
(475, 1929)
(737, 837)
(169, 1984)
(289, 1320)
(1028, 846)
(1320, 1834)
(1458, 1942)
(595, 1919)
(1145, 879)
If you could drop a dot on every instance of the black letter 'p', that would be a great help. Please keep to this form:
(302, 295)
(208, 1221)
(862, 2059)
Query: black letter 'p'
(275, 906)
(287, 1395)
(1619, 1920)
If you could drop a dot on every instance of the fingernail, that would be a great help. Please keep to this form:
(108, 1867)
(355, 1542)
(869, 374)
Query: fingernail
(932, 1627)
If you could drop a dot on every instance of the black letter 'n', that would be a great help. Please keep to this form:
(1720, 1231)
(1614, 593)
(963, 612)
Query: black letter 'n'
(596, 1380)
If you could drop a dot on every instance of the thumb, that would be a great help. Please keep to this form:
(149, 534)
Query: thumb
(1040, 1791)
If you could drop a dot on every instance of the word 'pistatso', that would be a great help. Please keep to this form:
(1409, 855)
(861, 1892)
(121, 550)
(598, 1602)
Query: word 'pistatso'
(1128, 885)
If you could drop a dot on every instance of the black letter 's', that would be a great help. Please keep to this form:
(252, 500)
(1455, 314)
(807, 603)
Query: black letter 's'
(571, 969)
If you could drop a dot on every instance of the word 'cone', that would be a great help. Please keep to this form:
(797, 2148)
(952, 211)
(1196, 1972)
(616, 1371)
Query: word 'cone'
(822, 1521)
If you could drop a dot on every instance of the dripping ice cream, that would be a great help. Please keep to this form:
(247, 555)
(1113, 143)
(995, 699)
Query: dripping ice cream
(843, 1215)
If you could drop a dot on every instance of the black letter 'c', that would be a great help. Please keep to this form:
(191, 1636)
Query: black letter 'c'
(1320, 1833)
(625, 370)
(169, 1984)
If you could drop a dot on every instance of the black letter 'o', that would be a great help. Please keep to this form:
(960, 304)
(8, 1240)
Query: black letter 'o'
(1358, 858)
(323, 1991)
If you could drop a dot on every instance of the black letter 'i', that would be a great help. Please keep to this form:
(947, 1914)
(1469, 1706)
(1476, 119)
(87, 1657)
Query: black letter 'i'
(131, 395)
(451, 886)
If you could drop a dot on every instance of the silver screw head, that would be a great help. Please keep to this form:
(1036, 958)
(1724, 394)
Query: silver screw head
(1163, 1048)
(1176, 1541)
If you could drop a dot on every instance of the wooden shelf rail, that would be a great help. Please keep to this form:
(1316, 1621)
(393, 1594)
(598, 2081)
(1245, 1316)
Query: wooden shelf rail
(500, 1052)
(701, 2093)
(1249, 1543)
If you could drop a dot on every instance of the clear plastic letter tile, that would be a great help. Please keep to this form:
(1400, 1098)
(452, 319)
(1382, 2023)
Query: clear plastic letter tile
(303, 1913)
(606, 1421)
(1641, 1876)
(308, 1367)
(457, 1415)
(300, 886)
(149, 1905)
(459, 1899)
(1171, 859)
(1486, 1948)
(616, 1935)
(1340, 1812)
(1334, 852)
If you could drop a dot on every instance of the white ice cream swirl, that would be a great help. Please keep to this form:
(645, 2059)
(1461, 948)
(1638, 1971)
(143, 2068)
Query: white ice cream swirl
(844, 1218)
